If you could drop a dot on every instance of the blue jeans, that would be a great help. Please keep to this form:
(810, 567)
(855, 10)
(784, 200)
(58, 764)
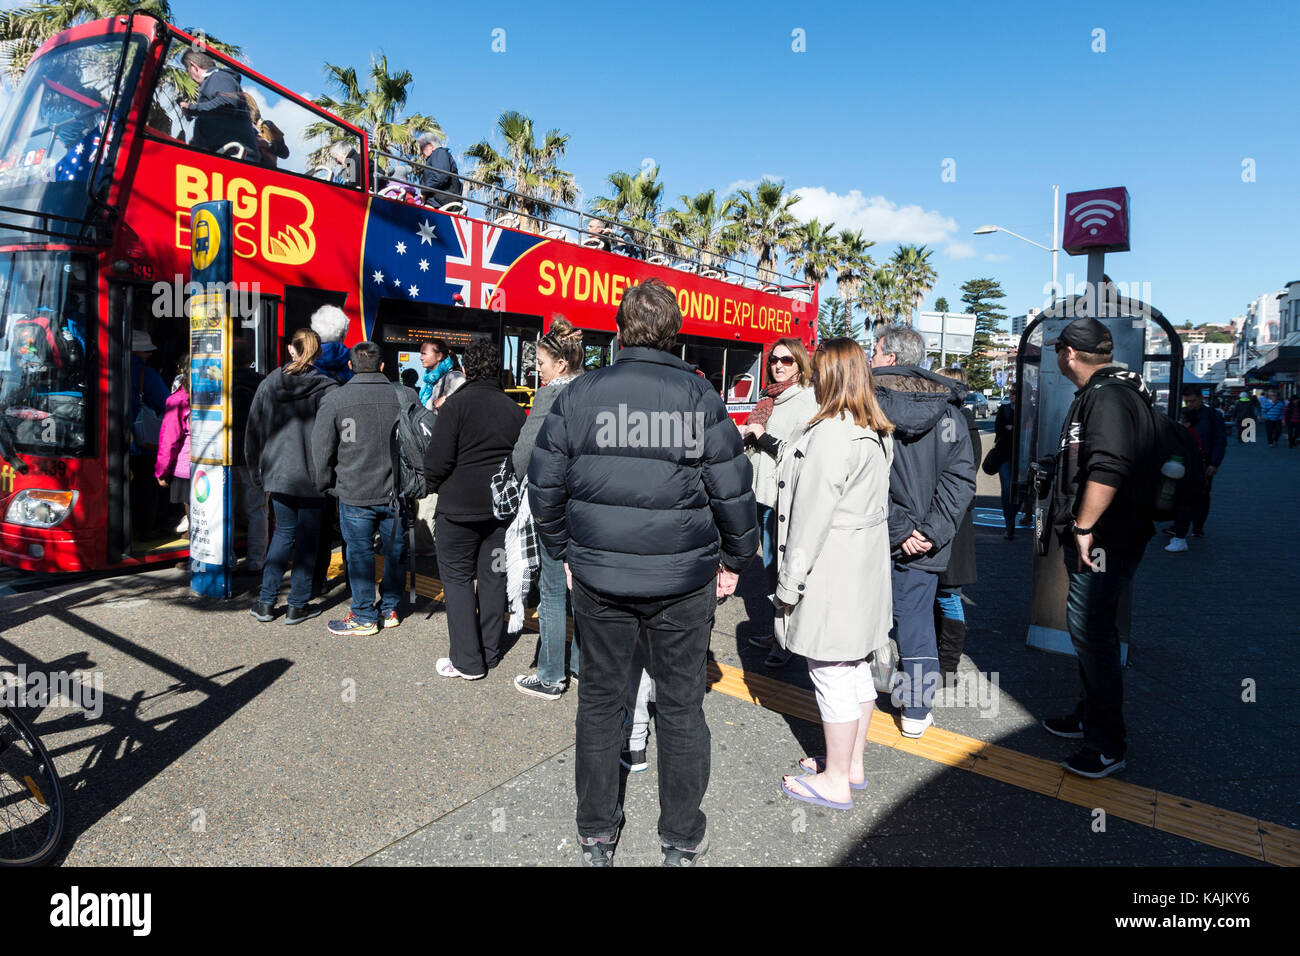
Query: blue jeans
(1008, 509)
(297, 526)
(918, 647)
(1092, 616)
(949, 601)
(551, 613)
(358, 524)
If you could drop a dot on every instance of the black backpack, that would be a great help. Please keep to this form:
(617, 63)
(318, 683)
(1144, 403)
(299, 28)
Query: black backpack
(412, 434)
(1172, 440)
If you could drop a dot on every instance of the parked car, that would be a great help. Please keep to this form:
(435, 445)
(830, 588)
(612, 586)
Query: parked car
(978, 404)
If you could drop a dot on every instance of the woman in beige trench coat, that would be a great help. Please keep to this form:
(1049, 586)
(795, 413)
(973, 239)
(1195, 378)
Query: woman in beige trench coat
(833, 585)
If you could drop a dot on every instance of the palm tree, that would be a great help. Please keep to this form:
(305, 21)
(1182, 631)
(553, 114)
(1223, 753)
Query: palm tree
(376, 110)
(635, 202)
(24, 29)
(767, 224)
(818, 252)
(881, 296)
(706, 225)
(529, 169)
(852, 264)
(911, 266)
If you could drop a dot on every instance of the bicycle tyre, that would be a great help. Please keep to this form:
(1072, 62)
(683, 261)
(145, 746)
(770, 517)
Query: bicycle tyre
(49, 835)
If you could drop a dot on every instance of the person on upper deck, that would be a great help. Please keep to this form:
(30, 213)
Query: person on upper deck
(219, 111)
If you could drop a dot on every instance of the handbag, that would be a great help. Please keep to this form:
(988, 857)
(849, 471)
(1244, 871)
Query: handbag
(995, 459)
(148, 424)
(506, 491)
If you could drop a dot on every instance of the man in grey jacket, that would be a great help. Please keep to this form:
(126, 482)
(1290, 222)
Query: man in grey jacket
(931, 483)
(352, 449)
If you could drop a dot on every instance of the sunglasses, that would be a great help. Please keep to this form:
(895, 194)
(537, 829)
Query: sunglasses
(781, 360)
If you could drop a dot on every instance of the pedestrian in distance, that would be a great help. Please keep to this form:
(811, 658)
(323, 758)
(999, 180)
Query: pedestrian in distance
(640, 483)
(998, 461)
(353, 456)
(931, 485)
(1245, 414)
(279, 455)
(783, 411)
(1211, 433)
(1271, 410)
(172, 466)
(1293, 421)
(477, 428)
(833, 590)
(1101, 513)
(560, 356)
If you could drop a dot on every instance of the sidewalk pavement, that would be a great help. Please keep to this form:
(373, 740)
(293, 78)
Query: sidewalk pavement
(224, 741)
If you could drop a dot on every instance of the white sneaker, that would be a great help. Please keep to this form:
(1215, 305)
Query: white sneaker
(184, 525)
(1177, 544)
(915, 726)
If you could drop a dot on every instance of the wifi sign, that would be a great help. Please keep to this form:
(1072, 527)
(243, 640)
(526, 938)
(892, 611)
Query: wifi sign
(1096, 220)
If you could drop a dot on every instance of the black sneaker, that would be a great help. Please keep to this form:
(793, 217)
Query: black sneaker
(534, 686)
(1068, 727)
(296, 615)
(1091, 763)
(677, 856)
(1198, 534)
(598, 852)
(262, 611)
(633, 760)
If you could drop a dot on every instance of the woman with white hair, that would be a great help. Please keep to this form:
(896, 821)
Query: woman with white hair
(438, 173)
(331, 324)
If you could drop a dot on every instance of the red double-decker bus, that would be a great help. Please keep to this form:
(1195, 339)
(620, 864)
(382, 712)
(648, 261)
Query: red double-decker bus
(99, 167)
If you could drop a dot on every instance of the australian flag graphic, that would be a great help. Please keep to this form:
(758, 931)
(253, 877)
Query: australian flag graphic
(418, 254)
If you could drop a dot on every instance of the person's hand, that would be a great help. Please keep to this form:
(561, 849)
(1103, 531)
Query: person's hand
(743, 429)
(916, 543)
(1210, 470)
(568, 576)
(184, 104)
(726, 582)
(162, 482)
(758, 431)
(1083, 542)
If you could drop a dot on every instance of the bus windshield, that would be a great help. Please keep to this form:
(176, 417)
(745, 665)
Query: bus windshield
(47, 373)
(52, 131)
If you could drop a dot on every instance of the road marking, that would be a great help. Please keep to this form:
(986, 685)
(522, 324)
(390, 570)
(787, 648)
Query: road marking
(1235, 832)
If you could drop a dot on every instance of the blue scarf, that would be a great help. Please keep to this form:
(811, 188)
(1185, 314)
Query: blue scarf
(431, 377)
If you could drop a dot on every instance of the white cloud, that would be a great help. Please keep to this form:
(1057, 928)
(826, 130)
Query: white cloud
(996, 256)
(750, 183)
(959, 250)
(879, 219)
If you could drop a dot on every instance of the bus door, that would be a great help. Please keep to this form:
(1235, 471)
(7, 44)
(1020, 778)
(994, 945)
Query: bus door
(150, 335)
(519, 335)
(299, 305)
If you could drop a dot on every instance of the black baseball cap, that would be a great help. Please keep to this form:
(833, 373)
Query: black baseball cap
(1086, 335)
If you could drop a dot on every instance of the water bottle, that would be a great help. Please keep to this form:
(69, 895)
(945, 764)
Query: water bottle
(1172, 471)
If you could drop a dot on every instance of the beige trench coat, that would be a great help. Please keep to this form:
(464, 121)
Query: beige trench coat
(833, 542)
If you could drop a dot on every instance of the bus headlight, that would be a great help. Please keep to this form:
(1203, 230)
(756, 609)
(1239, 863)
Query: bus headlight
(38, 508)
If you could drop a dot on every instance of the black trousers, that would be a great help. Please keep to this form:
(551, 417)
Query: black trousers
(676, 631)
(470, 551)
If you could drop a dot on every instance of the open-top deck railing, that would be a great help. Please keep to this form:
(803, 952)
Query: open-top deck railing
(566, 224)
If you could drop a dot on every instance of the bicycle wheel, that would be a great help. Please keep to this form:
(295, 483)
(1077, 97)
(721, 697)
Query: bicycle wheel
(31, 799)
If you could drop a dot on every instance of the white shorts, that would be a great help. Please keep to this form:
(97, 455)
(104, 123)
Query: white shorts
(842, 688)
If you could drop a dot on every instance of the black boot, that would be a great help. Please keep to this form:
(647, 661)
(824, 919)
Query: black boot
(952, 638)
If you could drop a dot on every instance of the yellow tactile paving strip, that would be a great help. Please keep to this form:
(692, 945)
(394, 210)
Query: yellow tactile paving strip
(1212, 826)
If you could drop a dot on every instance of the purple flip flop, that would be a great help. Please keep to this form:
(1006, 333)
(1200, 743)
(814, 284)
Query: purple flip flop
(816, 799)
(820, 764)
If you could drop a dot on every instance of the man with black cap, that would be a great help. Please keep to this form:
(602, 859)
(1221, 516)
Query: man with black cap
(1101, 514)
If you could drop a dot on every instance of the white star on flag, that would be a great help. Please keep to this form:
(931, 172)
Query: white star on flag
(397, 282)
(80, 148)
(426, 232)
(401, 248)
(378, 277)
(414, 290)
(424, 265)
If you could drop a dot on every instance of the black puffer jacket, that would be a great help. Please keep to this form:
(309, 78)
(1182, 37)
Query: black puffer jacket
(277, 442)
(639, 479)
(932, 480)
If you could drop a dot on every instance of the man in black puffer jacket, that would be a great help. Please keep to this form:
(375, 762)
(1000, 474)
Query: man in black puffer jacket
(640, 484)
(931, 484)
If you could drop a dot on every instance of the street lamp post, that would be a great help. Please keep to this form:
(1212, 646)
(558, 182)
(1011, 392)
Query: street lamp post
(1054, 249)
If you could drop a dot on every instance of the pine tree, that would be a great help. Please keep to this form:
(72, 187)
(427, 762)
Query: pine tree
(941, 304)
(980, 297)
(834, 321)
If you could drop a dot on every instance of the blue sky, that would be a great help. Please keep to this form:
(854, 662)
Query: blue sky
(863, 120)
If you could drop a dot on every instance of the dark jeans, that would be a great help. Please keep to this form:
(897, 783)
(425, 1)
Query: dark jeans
(676, 631)
(1092, 615)
(1008, 509)
(1195, 519)
(1292, 434)
(359, 524)
(469, 550)
(1273, 429)
(297, 525)
(918, 647)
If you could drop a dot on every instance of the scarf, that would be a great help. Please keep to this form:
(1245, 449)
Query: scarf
(763, 410)
(431, 376)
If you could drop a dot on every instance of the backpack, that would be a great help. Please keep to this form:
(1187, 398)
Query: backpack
(1173, 440)
(33, 344)
(412, 435)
